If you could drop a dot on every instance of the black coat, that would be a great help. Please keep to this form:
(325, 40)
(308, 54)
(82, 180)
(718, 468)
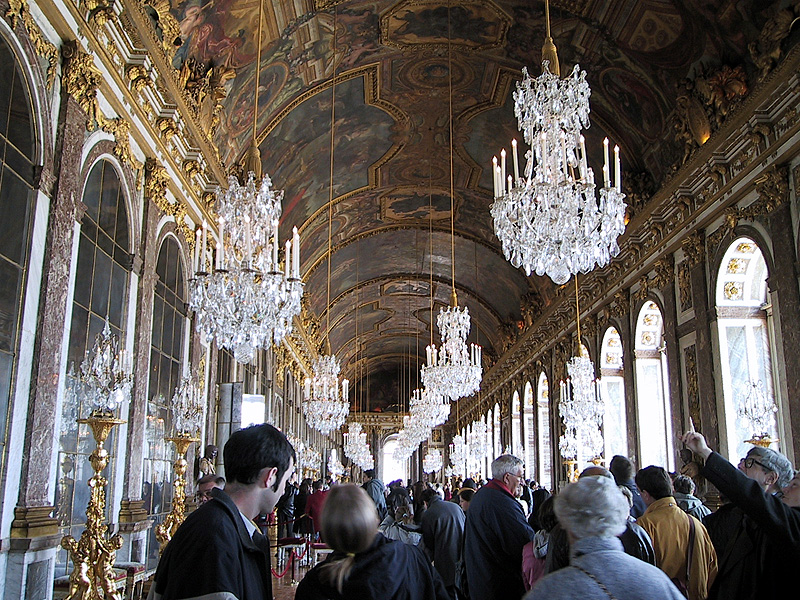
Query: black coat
(388, 570)
(638, 508)
(494, 534)
(212, 552)
(759, 536)
(635, 541)
(442, 531)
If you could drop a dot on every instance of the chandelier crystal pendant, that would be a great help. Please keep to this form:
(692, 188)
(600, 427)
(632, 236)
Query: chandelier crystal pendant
(106, 379)
(547, 217)
(240, 295)
(325, 407)
(758, 410)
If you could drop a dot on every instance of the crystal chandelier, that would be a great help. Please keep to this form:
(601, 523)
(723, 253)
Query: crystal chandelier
(458, 454)
(412, 434)
(308, 459)
(432, 461)
(581, 410)
(547, 218)
(324, 407)
(241, 297)
(106, 379)
(356, 447)
(335, 467)
(429, 408)
(478, 442)
(454, 369)
(188, 408)
(758, 410)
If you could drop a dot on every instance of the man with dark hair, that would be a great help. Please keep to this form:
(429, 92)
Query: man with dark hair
(206, 484)
(218, 551)
(682, 546)
(377, 491)
(442, 532)
(622, 469)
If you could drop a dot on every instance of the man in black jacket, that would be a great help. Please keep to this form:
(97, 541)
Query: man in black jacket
(762, 543)
(622, 469)
(218, 551)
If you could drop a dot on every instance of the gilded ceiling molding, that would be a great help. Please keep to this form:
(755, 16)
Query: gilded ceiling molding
(18, 12)
(139, 77)
(170, 29)
(205, 86)
(81, 77)
(100, 13)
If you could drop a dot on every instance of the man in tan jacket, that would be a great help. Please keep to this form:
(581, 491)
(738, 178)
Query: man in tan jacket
(670, 529)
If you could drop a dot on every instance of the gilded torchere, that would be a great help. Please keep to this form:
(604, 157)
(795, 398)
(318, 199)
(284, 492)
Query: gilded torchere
(94, 554)
(166, 529)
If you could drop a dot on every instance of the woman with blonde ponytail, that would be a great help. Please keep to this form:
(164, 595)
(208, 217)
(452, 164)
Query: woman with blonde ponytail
(365, 564)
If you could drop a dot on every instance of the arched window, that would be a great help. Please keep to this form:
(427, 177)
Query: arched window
(652, 389)
(516, 442)
(16, 207)
(528, 438)
(545, 474)
(612, 392)
(166, 367)
(498, 449)
(392, 468)
(743, 313)
(101, 292)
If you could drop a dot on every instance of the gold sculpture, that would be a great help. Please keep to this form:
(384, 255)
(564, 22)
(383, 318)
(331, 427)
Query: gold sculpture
(167, 529)
(93, 556)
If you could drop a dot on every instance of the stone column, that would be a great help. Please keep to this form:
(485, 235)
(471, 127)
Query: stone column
(621, 311)
(229, 417)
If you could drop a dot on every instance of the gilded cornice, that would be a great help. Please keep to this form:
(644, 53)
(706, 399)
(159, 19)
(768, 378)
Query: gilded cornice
(18, 12)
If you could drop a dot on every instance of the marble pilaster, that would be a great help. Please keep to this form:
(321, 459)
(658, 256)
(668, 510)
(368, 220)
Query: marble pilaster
(41, 437)
(783, 283)
(132, 508)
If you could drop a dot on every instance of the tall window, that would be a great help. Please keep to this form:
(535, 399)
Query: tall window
(101, 292)
(528, 438)
(543, 418)
(516, 445)
(16, 207)
(166, 353)
(743, 314)
(612, 392)
(495, 427)
(652, 389)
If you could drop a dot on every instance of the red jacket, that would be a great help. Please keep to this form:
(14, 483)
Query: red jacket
(314, 505)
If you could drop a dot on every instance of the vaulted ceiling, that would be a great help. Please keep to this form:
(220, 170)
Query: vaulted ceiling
(391, 206)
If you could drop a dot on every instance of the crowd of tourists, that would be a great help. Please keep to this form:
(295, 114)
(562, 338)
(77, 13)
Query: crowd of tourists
(614, 533)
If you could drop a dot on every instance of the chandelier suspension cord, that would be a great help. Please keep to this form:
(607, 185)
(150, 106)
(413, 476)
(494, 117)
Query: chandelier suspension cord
(330, 186)
(430, 239)
(358, 397)
(454, 298)
(258, 69)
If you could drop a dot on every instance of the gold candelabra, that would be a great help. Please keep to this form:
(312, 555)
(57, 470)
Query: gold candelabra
(763, 440)
(572, 470)
(93, 556)
(169, 526)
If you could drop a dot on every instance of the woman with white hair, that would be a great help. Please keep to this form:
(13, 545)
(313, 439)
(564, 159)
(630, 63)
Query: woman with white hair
(594, 511)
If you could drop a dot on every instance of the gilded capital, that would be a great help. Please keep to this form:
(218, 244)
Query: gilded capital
(81, 77)
(155, 185)
(773, 188)
(694, 248)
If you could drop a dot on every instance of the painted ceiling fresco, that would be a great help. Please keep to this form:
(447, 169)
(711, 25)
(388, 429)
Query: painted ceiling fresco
(391, 168)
